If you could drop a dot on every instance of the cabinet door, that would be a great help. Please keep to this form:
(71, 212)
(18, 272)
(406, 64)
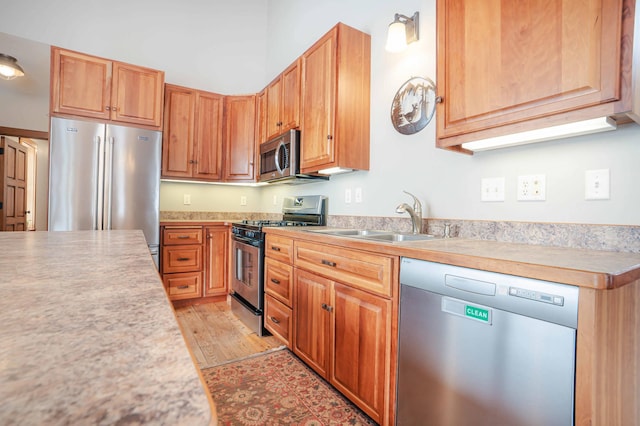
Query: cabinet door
(177, 137)
(290, 99)
(274, 94)
(312, 322)
(80, 84)
(137, 94)
(217, 246)
(361, 348)
(502, 63)
(317, 104)
(261, 117)
(240, 141)
(208, 136)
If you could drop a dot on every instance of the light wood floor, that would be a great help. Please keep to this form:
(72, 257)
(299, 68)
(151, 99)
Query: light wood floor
(216, 336)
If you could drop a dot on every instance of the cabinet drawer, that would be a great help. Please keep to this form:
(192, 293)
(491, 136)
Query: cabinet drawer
(181, 259)
(278, 319)
(356, 268)
(181, 236)
(280, 248)
(183, 286)
(278, 280)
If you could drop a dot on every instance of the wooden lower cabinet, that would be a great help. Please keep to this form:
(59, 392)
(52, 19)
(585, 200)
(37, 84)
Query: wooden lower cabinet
(278, 319)
(312, 320)
(216, 260)
(362, 329)
(194, 261)
(344, 334)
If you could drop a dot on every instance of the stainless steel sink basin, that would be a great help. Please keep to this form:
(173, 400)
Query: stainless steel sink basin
(400, 237)
(351, 232)
(369, 234)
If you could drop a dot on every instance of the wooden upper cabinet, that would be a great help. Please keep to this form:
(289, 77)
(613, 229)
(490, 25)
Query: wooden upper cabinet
(89, 86)
(283, 102)
(240, 138)
(506, 67)
(335, 101)
(208, 135)
(136, 95)
(261, 117)
(80, 84)
(192, 137)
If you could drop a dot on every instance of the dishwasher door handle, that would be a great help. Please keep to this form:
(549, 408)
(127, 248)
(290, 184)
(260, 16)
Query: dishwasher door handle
(470, 285)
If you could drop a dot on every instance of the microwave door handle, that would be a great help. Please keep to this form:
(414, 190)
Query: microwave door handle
(281, 146)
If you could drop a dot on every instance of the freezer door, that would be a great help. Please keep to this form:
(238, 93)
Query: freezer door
(74, 175)
(132, 176)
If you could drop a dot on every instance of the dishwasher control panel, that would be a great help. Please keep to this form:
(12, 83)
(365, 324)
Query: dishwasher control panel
(536, 295)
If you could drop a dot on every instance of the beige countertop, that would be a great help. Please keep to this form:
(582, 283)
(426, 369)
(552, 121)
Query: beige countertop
(585, 268)
(88, 335)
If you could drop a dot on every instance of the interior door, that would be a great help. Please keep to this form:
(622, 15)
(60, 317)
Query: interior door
(14, 185)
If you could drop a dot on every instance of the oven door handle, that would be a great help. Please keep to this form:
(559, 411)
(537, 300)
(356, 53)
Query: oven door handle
(248, 241)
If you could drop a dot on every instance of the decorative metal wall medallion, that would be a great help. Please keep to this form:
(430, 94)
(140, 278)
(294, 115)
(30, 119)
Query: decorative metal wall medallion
(413, 105)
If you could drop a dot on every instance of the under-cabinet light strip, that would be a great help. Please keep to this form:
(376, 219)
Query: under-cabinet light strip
(595, 125)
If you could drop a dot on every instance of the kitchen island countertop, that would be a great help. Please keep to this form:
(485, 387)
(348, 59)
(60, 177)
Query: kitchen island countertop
(88, 335)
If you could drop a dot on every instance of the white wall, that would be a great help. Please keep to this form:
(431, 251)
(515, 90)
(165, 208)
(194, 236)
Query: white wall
(215, 45)
(275, 33)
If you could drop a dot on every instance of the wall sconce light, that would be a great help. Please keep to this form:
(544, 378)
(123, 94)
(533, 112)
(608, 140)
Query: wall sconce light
(402, 31)
(9, 68)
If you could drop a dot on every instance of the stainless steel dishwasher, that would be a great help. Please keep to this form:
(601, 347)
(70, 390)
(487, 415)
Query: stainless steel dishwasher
(482, 348)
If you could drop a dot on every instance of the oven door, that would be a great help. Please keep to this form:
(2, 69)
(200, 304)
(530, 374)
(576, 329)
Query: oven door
(246, 280)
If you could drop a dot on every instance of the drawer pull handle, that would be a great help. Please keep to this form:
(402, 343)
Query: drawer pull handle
(274, 319)
(329, 263)
(182, 237)
(182, 259)
(273, 280)
(327, 308)
(275, 248)
(183, 287)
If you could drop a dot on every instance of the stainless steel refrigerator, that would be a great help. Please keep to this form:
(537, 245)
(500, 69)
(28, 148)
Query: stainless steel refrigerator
(104, 176)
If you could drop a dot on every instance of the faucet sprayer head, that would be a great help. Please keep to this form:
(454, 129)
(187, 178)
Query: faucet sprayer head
(403, 208)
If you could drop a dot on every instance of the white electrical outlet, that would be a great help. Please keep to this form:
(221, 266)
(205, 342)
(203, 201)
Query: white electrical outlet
(347, 195)
(243, 200)
(492, 189)
(275, 200)
(358, 195)
(596, 184)
(186, 199)
(532, 188)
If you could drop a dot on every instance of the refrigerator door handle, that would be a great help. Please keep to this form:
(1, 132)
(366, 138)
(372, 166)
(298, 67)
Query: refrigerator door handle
(108, 176)
(97, 223)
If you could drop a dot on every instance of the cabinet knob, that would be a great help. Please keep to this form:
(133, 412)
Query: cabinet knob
(183, 259)
(275, 320)
(107, 107)
(273, 280)
(329, 137)
(183, 287)
(114, 108)
(327, 308)
(328, 263)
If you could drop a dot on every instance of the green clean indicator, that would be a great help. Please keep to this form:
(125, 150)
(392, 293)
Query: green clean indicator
(476, 313)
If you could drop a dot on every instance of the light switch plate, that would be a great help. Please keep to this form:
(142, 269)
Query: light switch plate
(596, 184)
(492, 189)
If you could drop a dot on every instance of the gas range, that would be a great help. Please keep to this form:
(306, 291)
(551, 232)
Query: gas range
(306, 210)
(247, 287)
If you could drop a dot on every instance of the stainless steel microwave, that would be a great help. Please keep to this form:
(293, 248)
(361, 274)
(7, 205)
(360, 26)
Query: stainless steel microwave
(279, 157)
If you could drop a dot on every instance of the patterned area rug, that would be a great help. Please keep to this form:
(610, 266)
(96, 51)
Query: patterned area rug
(277, 389)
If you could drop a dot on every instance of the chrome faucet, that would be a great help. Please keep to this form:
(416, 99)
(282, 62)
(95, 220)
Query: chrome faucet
(415, 212)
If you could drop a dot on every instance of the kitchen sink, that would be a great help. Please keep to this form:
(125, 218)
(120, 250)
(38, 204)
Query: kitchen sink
(368, 234)
(351, 232)
(400, 237)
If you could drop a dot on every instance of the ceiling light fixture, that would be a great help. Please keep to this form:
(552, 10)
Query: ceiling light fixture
(585, 127)
(402, 31)
(9, 68)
